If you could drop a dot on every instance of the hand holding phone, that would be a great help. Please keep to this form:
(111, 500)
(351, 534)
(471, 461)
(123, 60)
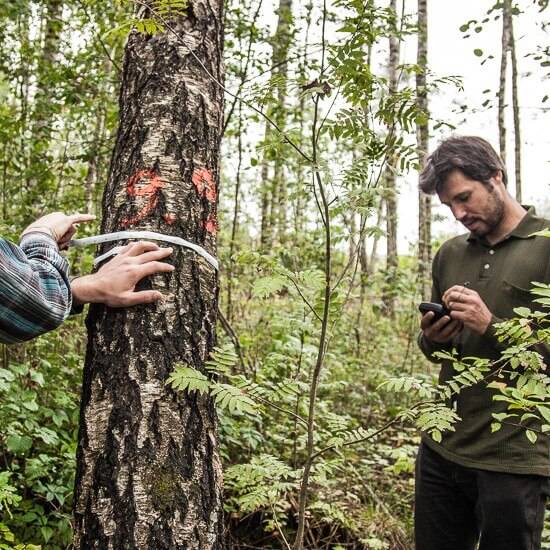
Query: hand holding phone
(437, 325)
(439, 310)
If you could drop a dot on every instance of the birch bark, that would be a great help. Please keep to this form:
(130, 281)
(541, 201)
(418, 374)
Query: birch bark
(148, 469)
(422, 143)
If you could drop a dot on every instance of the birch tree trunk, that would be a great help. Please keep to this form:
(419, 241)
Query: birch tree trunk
(422, 143)
(502, 79)
(274, 193)
(509, 46)
(148, 470)
(43, 113)
(390, 186)
(515, 108)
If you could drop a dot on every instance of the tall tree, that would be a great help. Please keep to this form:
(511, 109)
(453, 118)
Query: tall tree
(422, 138)
(505, 44)
(390, 177)
(509, 48)
(515, 108)
(274, 193)
(148, 472)
(44, 109)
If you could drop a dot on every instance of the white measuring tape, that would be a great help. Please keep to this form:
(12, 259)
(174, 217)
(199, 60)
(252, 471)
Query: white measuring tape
(149, 235)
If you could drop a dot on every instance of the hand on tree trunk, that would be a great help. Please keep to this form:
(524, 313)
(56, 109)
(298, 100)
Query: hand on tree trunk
(114, 283)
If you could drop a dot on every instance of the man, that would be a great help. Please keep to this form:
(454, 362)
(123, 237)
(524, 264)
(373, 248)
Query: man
(35, 293)
(477, 486)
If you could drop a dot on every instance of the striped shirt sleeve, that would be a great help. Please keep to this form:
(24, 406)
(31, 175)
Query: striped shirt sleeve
(35, 294)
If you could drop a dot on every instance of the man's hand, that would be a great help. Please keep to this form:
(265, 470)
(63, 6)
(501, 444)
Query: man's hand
(440, 332)
(59, 226)
(467, 306)
(114, 283)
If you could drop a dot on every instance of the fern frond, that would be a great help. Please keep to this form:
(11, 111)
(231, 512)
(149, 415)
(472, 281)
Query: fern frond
(187, 378)
(222, 360)
(250, 388)
(408, 384)
(233, 399)
(266, 286)
(350, 437)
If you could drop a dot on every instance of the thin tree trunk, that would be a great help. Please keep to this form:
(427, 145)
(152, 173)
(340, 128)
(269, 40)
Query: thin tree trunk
(515, 107)
(371, 266)
(274, 192)
(148, 469)
(43, 110)
(422, 143)
(390, 186)
(505, 44)
(266, 232)
(300, 201)
(235, 222)
(91, 179)
(281, 46)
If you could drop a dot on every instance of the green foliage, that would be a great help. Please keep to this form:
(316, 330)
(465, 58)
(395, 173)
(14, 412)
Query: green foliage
(236, 399)
(39, 412)
(57, 123)
(263, 482)
(189, 379)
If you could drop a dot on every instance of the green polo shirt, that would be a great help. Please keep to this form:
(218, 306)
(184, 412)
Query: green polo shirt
(502, 274)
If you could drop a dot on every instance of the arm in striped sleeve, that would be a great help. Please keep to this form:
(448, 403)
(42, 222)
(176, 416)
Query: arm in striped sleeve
(35, 294)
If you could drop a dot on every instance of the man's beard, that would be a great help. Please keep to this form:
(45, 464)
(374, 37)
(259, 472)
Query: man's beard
(493, 217)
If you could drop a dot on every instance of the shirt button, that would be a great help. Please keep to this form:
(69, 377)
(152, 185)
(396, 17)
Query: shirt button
(486, 266)
(491, 252)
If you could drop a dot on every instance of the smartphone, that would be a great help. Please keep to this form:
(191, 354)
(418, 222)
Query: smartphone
(439, 309)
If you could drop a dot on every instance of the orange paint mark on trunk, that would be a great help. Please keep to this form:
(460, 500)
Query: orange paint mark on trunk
(150, 190)
(205, 184)
(206, 187)
(211, 224)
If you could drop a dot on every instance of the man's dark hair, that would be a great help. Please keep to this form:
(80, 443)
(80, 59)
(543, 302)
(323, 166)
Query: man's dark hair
(472, 155)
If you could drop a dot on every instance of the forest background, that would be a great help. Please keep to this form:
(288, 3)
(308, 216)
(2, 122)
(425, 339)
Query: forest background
(351, 73)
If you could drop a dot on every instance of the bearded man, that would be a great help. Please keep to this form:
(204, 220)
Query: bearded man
(477, 487)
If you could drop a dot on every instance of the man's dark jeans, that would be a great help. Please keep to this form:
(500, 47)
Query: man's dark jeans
(457, 507)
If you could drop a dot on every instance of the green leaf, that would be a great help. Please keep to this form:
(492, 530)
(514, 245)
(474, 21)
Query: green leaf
(187, 378)
(266, 286)
(531, 436)
(478, 52)
(522, 311)
(233, 399)
(18, 443)
(47, 533)
(222, 360)
(544, 411)
(495, 427)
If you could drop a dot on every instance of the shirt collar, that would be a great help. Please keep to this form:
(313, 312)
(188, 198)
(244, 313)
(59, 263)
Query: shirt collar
(529, 224)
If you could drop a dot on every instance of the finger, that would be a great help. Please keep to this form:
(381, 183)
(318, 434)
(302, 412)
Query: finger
(462, 316)
(68, 234)
(452, 289)
(154, 267)
(160, 254)
(440, 323)
(135, 249)
(452, 293)
(427, 320)
(455, 332)
(81, 218)
(451, 330)
(141, 297)
(459, 306)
